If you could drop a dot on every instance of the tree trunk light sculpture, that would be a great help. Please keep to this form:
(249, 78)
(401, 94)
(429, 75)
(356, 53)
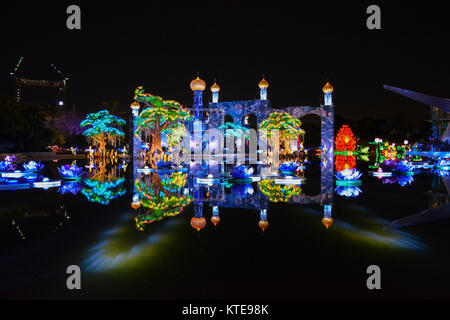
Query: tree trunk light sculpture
(159, 115)
(104, 128)
(289, 128)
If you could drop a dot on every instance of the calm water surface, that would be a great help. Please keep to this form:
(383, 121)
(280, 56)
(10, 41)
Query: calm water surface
(122, 254)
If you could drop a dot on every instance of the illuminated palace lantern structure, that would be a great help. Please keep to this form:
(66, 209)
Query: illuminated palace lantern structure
(165, 131)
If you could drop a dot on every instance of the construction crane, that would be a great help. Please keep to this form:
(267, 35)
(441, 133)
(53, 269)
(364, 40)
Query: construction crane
(59, 85)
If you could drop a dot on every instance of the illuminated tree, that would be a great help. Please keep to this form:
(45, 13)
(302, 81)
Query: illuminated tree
(345, 141)
(104, 128)
(289, 128)
(175, 134)
(234, 130)
(158, 116)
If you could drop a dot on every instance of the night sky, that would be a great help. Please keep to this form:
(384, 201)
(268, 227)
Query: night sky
(296, 45)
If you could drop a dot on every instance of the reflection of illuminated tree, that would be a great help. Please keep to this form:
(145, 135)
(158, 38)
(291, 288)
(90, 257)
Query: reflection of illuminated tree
(103, 186)
(161, 197)
(103, 192)
(278, 192)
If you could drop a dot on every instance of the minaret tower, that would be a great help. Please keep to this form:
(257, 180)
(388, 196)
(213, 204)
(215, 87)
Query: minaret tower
(263, 85)
(197, 86)
(327, 91)
(215, 92)
(136, 141)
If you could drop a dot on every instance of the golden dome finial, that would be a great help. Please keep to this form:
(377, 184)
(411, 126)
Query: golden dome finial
(135, 105)
(263, 83)
(198, 84)
(327, 88)
(215, 87)
(215, 220)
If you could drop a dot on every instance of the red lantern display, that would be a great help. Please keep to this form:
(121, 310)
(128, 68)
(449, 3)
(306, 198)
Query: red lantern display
(345, 140)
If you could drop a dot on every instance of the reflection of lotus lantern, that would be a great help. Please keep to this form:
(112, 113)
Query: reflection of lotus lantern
(404, 167)
(263, 224)
(288, 167)
(6, 166)
(198, 223)
(72, 187)
(242, 189)
(402, 180)
(327, 222)
(348, 191)
(241, 174)
(72, 172)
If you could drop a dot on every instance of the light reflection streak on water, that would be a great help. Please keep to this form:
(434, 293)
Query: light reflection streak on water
(390, 237)
(101, 258)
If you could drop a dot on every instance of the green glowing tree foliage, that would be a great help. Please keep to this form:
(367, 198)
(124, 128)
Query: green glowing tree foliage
(103, 192)
(175, 134)
(161, 197)
(158, 116)
(278, 192)
(103, 185)
(104, 128)
(289, 128)
(234, 130)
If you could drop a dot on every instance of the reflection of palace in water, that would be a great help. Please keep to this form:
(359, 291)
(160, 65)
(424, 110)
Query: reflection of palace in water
(163, 193)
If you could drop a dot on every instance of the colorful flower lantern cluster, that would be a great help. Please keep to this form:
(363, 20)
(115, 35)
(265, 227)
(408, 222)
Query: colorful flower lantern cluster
(345, 140)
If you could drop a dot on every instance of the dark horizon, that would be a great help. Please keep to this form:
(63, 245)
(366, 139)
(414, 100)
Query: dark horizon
(162, 49)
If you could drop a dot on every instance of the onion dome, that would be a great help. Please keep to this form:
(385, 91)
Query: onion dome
(327, 222)
(198, 84)
(327, 88)
(198, 223)
(263, 224)
(215, 87)
(263, 84)
(136, 205)
(135, 105)
(215, 220)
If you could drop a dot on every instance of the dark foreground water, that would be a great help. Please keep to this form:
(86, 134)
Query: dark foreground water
(42, 232)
